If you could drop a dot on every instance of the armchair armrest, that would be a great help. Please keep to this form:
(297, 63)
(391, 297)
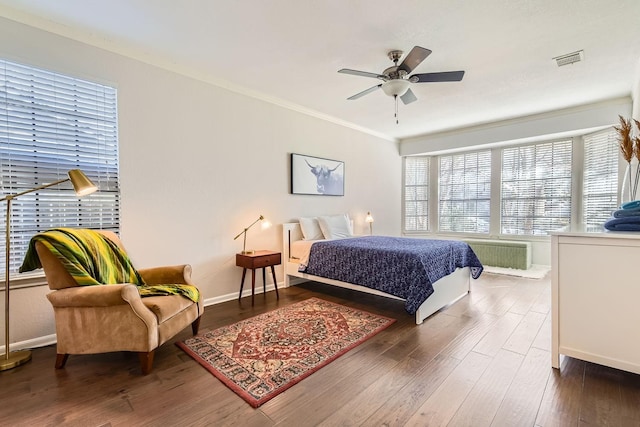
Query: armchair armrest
(95, 296)
(95, 319)
(175, 274)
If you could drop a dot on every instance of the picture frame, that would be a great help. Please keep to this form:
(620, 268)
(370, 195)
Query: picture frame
(316, 176)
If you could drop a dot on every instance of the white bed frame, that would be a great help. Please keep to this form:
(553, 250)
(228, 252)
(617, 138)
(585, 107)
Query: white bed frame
(447, 290)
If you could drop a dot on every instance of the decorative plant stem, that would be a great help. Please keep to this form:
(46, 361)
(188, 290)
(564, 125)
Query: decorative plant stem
(629, 147)
(632, 194)
(632, 184)
(636, 151)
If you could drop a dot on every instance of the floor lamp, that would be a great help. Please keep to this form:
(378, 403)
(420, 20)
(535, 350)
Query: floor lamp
(82, 186)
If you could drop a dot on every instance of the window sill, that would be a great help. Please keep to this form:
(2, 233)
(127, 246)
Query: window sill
(26, 280)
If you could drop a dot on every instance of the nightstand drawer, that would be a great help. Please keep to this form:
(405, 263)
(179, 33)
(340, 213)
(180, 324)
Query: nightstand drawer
(267, 260)
(258, 259)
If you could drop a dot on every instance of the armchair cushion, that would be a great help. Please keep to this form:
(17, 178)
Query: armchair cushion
(165, 307)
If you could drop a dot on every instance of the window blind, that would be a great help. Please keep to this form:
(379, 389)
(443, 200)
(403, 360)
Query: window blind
(465, 192)
(51, 123)
(416, 193)
(600, 180)
(536, 188)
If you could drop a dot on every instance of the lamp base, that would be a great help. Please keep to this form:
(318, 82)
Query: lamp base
(16, 358)
(248, 252)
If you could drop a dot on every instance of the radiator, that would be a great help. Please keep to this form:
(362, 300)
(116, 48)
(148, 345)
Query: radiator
(502, 253)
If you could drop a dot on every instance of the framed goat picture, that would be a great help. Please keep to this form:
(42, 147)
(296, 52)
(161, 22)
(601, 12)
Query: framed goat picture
(317, 176)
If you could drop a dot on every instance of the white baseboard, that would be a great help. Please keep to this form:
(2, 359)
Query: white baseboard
(535, 272)
(234, 295)
(32, 343)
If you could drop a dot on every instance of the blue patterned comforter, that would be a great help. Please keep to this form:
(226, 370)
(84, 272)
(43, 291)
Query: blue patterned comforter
(399, 266)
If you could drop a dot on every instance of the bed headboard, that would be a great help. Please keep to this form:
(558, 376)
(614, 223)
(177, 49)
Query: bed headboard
(291, 232)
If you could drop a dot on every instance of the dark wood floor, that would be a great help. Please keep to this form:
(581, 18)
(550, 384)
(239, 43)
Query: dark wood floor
(482, 361)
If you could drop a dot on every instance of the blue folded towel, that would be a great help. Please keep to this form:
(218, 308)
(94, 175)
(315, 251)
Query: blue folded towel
(630, 223)
(621, 213)
(631, 205)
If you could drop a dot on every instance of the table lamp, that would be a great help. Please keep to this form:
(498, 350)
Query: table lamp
(265, 224)
(369, 219)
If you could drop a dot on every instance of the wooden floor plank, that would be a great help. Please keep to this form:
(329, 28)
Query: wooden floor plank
(359, 407)
(561, 401)
(522, 399)
(467, 339)
(527, 296)
(543, 338)
(630, 399)
(498, 335)
(401, 406)
(482, 403)
(525, 333)
(543, 303)
(319, 406)
(445, 401)
(601, 402)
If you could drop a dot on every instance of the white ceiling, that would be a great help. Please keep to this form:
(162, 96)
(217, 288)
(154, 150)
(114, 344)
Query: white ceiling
(289, 51)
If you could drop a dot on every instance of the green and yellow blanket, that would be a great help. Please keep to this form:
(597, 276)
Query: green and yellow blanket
(93, 259)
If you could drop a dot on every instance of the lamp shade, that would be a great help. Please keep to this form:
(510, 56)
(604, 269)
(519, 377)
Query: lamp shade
(81, 184)
(397, 87)
(368, 218)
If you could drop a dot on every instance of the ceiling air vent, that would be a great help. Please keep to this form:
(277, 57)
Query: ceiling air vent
(569, 58)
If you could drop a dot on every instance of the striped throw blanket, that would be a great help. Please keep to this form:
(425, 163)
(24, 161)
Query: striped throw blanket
(93, 259)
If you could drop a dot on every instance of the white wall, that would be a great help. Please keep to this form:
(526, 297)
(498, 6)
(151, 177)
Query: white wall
(198, 163)
(554, 124)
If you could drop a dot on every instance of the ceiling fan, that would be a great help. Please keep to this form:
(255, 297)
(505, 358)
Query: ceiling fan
(396, 79)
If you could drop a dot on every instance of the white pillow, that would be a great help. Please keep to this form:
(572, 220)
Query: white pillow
(310, 229)
(335, 226)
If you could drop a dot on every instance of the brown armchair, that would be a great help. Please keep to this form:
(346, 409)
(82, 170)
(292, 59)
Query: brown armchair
(106, 318)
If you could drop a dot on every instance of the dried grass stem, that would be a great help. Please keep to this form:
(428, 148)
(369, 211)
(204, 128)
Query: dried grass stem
(630, 147)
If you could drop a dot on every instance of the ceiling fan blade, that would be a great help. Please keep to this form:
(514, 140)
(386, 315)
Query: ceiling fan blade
(364, 92)
(361, 73)
(446, 76)
(408, 97)
(414, 58)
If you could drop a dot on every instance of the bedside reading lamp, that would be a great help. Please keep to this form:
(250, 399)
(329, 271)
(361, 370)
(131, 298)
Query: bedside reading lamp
(82, 186)
(369, 219)
(265, 224)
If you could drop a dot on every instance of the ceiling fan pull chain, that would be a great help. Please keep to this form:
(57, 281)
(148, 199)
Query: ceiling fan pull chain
(395, 97)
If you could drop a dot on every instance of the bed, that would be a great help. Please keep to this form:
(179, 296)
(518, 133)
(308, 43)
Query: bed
(447, 289)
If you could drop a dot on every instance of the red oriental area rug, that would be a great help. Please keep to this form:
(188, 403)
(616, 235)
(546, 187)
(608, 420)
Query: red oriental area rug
(260, 357)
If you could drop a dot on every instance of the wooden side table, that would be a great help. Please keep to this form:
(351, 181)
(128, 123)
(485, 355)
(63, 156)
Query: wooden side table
(258, 259)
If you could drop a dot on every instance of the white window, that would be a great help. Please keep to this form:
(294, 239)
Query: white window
(465, 192)
(600, 180)
(51, 123)
(416, 193)
(536, 188)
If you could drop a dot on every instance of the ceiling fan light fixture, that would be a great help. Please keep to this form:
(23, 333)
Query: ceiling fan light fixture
(397, 87)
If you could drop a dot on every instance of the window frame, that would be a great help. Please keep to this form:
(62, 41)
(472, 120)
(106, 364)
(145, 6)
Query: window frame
(560, 152)
(414, 189)
(51, 123)
(607, 141)
(577, 144)
(471, 160)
